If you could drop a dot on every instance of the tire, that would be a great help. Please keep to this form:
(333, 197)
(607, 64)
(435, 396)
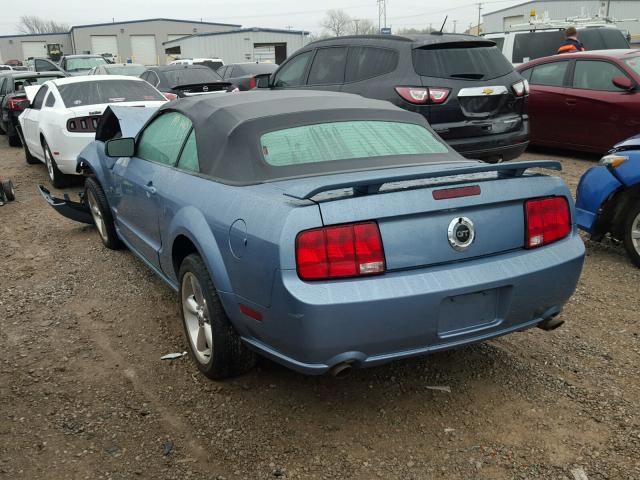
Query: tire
(101, 213)
(56, 177)
(14, 140)
(31, 160)
(631, 231)
(204, 319)
(9, 192)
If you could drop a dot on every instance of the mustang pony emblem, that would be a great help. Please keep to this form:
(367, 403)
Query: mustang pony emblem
(487, 91)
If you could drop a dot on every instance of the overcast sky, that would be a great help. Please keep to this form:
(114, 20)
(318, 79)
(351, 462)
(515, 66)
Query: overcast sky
(268, 13)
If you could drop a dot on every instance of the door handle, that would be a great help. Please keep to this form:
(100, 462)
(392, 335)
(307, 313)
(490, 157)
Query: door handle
(570, 101)
(149, 188)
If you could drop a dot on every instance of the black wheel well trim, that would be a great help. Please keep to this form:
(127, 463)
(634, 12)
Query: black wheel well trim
(614, 210)
(181, 247)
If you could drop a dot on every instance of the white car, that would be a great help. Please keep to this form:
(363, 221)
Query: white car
(62, 117)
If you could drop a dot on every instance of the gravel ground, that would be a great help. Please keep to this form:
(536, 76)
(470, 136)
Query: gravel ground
(83, 393)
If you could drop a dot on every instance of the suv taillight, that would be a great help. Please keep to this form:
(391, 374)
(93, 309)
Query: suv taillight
(547, 220)
(17, 104)
(341, 251)
(424, 95)
(521, 88)
(170, 96)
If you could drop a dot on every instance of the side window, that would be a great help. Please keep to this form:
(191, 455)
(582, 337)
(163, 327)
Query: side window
(154, 79)
(229, 72)
(162, 140)
(189, 156)
(550, 74)
(527, 74)
(369, 62)
(292, 74)
(531, 45)
(44, 66)
(39, 98)
(328, 66)
(499, 42)
(51, 100)
(593, 75)
(221, 71)
(3, 86)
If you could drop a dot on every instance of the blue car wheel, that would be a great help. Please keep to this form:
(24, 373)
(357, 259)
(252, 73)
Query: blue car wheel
(215, 346)
(632, 234)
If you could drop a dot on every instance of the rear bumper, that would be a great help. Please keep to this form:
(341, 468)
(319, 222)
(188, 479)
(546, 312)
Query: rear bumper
(498, 146)
(66, 148)
(314, 326)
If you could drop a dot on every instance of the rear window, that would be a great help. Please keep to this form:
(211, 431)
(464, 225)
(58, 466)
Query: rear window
(254, 69)
(191, 76)
(20, 83)
(327, 142)
(107, 91)
(128, 71)
(532, 45)
(476, 63)
(210, 63)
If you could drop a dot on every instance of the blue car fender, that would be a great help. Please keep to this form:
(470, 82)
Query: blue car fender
(595, 187)
(90, 162)
(191, 223)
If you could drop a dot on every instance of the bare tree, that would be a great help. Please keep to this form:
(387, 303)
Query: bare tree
(414, 31)
(362, 26)
(34, 24)
(337, 22)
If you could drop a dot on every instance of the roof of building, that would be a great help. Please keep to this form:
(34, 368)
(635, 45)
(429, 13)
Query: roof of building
(197, 22)
(241, 30)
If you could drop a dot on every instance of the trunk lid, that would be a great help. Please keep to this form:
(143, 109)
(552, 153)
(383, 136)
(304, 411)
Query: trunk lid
(418, 229)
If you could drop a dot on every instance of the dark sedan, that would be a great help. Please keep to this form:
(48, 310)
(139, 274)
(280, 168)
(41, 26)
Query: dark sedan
(243, 75)
(13, 99)
(186, 80)
(585, 101)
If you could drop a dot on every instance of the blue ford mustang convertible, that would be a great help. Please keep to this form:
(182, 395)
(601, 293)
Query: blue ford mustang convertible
(326, 231)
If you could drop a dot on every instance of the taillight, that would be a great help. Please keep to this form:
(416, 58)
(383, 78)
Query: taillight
(170, 96)
(341, 251)
(423, 95)
(82, 124)
(17, 104)
(521, 88)
(547, 220)
(252, 83)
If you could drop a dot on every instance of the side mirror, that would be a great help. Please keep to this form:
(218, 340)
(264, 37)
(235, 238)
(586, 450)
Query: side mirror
(120, 147)
(623, 83)
(262, 80)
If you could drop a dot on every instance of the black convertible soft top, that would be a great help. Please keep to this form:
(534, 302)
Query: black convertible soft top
(228, 129)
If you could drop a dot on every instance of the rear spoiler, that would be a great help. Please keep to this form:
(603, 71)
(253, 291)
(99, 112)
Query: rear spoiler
(370, 182)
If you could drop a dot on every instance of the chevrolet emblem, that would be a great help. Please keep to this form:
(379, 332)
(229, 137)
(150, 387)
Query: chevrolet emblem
(487, 91)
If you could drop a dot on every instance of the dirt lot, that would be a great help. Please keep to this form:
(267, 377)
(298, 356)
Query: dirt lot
(84, 394)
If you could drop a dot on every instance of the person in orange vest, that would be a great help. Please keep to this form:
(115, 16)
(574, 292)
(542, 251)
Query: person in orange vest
(571, 43)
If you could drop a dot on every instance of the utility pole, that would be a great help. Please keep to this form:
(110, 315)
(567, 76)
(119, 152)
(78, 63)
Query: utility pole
(356, 20)
(608, 7)
(479, 16)
(455, 26)
(382, 14)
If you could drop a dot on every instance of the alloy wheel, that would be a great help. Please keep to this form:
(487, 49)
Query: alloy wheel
(196, 318)
(635, 233)
(49, 163)
(97, 215)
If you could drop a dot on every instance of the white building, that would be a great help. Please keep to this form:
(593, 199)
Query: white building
(237, 46)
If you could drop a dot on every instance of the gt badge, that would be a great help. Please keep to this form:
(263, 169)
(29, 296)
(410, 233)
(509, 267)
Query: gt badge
(461, 233)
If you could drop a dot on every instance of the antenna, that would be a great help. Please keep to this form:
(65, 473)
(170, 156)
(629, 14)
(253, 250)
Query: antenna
(443, 24)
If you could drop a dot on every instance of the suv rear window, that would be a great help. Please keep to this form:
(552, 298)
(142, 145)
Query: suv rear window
(326, 142)
(191, 76)
(107, 91)
(466, 62)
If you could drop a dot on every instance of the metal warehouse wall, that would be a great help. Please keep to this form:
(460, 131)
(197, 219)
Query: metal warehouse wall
(11, 46)
(161, 30)
(559, 10)
(235, 47)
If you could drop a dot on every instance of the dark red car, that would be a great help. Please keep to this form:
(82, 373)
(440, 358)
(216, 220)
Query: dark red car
(585, 101)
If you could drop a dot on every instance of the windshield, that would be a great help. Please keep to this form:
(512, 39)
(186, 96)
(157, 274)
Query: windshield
(634, 64)
(191, 76)
(84, 63)
(107, 91)
(326, 142)
(474, 63)
(128, 71)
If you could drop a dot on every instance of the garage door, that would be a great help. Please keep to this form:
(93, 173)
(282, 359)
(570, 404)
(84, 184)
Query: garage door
(513, 20)
(106, 45)
(34, 49)
(264, 53)
(143, 49)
